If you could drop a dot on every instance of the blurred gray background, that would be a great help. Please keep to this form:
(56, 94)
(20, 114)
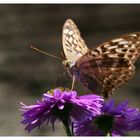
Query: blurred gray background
(26, 74)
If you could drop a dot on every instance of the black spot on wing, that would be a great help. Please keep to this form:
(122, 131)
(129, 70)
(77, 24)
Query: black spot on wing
(113, 43)
(109, 63)
(103, 49)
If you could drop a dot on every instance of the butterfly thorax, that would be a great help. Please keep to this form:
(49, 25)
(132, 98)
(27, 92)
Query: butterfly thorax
(68, 64)
(72, 69)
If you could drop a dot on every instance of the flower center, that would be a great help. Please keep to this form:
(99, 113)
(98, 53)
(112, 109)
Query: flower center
(51, 91)
(105, 123)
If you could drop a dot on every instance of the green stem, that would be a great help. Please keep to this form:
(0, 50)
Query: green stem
(67, 128)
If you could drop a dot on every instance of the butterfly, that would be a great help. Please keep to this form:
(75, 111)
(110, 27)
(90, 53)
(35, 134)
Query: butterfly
(103, 68)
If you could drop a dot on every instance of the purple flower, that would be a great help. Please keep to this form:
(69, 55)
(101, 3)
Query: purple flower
(113, 120)
(135, 125)
(60, 104)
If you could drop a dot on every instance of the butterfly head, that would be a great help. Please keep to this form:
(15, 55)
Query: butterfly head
(68, 63)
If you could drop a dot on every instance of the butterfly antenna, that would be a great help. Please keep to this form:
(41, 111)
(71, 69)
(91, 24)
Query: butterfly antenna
(36, 49)
(62, 54)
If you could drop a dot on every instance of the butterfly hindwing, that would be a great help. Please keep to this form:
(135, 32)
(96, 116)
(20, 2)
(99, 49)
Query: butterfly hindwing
(106, 73)
(116, 77)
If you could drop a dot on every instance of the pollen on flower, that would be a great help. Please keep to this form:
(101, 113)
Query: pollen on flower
(51, 91)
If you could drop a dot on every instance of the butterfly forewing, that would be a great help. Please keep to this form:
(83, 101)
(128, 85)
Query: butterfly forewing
(127, 47)
(73, 44)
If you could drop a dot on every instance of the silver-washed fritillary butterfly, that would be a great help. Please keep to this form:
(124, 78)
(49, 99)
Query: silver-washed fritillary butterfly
(103, 68)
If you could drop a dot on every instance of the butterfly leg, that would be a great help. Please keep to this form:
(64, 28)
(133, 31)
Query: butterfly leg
(73, 81)
(54, 83)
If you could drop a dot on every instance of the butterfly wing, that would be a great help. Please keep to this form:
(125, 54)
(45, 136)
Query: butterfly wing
(111, 62)
(73, 44)
(127, 47)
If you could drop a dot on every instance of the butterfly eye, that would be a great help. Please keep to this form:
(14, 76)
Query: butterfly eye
(67, 64)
